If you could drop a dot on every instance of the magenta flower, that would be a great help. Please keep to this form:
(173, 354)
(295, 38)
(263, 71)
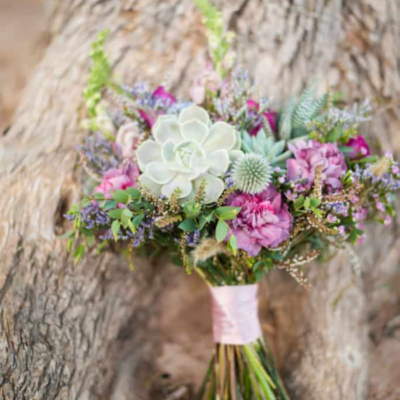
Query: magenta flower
(253, 108)
(118, 179)
(165, 97)
(262, 222)
(308, 155)
(360, 148)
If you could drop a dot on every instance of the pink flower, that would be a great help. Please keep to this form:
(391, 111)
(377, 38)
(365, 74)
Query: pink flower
(360, 213)
(253, 107)
(360, 148)
(165, 97)
(208, 79)
(308, 155)
(118, 179)
(262, 222)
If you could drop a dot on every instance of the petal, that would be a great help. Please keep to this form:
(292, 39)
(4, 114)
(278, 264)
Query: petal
(148, 152)
(167, 127)
(194, 130)
(159, 172)
(198, 166)
(222, 136)
(238, 143)
(194, 113)
(181, 182)
(235, 155)
(214, 187)
(154, 188)
(168, 153)
(218, 162)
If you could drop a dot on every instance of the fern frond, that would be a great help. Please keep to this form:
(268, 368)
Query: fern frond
(285, 121)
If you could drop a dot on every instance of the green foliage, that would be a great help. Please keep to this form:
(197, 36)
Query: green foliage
(227, 213)
(99, 75)
(219, 41)
(267, 146)
(305, 204)
(221, 231)
(294, 119)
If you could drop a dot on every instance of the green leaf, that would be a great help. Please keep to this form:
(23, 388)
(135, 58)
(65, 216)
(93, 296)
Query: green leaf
(227, 213)
(221, 230)
(87, 232)
(137, 220)
(299, 202)
(98, 196)
(233, 244)
(315, 202)
(131, 226)
(110, 204)
(259, 273)
(116, 225)
(307, 203)
(90, 241)
(121, 196)
(67, 234)
(188, 225)
(334, 135)
(345, 149)
(191, 209)
(127, 213)
(134, 192)
(79, 253)
(370, 159)
(115, 214)
(124, 220)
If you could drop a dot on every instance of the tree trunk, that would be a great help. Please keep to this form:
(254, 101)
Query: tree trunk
(100, 331)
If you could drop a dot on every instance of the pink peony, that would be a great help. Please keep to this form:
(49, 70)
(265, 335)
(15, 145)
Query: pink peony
(208, 79)
(360, 148)
(253, 107)
(165, 97)
(308, 155)
(262, 222)
(118, 179)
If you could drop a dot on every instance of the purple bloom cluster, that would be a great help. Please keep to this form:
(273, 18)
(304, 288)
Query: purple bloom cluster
(388, 182)
(340, 208)
(100, 154)
(94, 217)
(193, 238)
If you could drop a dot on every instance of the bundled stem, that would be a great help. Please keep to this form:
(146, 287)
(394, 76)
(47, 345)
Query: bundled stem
(242, 373)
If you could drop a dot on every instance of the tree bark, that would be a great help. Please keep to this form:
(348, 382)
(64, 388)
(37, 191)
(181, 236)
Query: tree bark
(100, 331)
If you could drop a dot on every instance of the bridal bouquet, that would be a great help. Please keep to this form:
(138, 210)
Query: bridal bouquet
(230, 188)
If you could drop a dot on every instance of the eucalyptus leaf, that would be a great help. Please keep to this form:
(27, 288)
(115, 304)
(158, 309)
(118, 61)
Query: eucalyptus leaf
(221, 231)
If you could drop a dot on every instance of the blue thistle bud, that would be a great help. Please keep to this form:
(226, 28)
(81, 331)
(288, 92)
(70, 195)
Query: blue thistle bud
(252, 173)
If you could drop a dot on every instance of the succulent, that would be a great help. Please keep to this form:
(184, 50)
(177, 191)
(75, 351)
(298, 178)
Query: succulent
(187, 151)
(267, 146)
(252, 173)
(296, 115)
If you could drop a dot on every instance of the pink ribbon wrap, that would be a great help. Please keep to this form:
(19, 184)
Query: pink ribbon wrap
(235, 314)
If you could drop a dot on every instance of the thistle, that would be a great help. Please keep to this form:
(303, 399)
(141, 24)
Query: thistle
(252, 173)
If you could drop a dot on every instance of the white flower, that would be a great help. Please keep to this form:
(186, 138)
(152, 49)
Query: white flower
(127, 138)
(187, 151)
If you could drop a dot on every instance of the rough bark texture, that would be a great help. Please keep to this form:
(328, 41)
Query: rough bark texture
(99, 331)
